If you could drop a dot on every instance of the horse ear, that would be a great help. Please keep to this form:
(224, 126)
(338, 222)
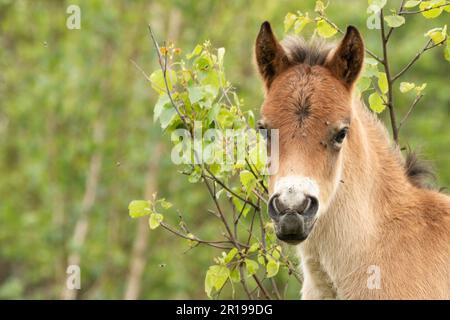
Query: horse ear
(347, 60)
(270, 56)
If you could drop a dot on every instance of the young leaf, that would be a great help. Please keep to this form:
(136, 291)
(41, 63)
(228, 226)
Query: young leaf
(162, 103)
(272, 268)
(165, 204)
(411, 3)
(394, 20)
(301, 22)
(421, 88)
(247, 180)
(139, 208)
(155, 220)
(320, 7)
(376, 103)
(167, 116)
(382, 82)
(437, 35)
(251, 266)
(235, 275)
(231, 254)
(363, 84)
(324, 29)
(197, 50)
(406, 86)
(158, 83)
(433, 13)
(216, 276)
(289, 20)
(253, 247)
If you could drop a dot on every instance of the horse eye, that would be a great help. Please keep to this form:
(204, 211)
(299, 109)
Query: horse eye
(340, 136)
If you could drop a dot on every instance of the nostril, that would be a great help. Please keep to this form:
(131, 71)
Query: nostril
(309, 206)
(275, 207)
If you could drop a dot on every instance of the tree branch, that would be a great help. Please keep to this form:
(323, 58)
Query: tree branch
(416, 100)
(387, 70)
(416, 57)
(424, 10)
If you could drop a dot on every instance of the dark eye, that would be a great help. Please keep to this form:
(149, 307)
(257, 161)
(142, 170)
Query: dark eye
(340, 136)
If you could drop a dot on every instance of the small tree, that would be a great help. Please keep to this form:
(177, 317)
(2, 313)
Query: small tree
(194, 93)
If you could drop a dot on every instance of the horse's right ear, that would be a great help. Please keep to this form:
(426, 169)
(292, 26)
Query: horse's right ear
(270, 56)
(347, 60)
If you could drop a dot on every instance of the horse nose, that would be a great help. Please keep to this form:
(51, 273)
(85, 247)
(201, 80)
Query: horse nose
(305, 205)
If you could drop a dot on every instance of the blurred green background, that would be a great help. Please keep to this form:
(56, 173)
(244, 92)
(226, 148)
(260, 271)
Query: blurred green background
(77, 139)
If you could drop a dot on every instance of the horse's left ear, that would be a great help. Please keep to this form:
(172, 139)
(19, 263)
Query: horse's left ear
(270, 56)
(347, 60)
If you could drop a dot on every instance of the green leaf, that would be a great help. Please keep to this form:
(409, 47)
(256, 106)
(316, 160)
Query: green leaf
(216, 276)
(139, 208)
(197, 50)
(195, 94)
(394, 20)
(155, 220)
(421, 88)
(406, 86)
(272, 268)
(247, 180)
(324, 29)
(195, 176)
(411, 3)
(363, 84)
(301, 23)
(231, 254)
(320, 7)
(382, 82)
(376, 103)
(239, 204)
(289, 20)
(158, 83)
(162, 103)
(253, 247)
(433, 13)
(165, 204)
(370, 70)
(437, 35)
(251, 119)
(235, 275)
(225, 118)
(251, 266)
(167, 115)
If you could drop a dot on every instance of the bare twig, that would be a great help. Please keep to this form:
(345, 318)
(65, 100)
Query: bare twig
(416, 100)
(215, 244)
(416, 57)
(387, 70)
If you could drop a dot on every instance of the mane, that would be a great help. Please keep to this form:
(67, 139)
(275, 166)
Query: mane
(419, 172)
(312, 52)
